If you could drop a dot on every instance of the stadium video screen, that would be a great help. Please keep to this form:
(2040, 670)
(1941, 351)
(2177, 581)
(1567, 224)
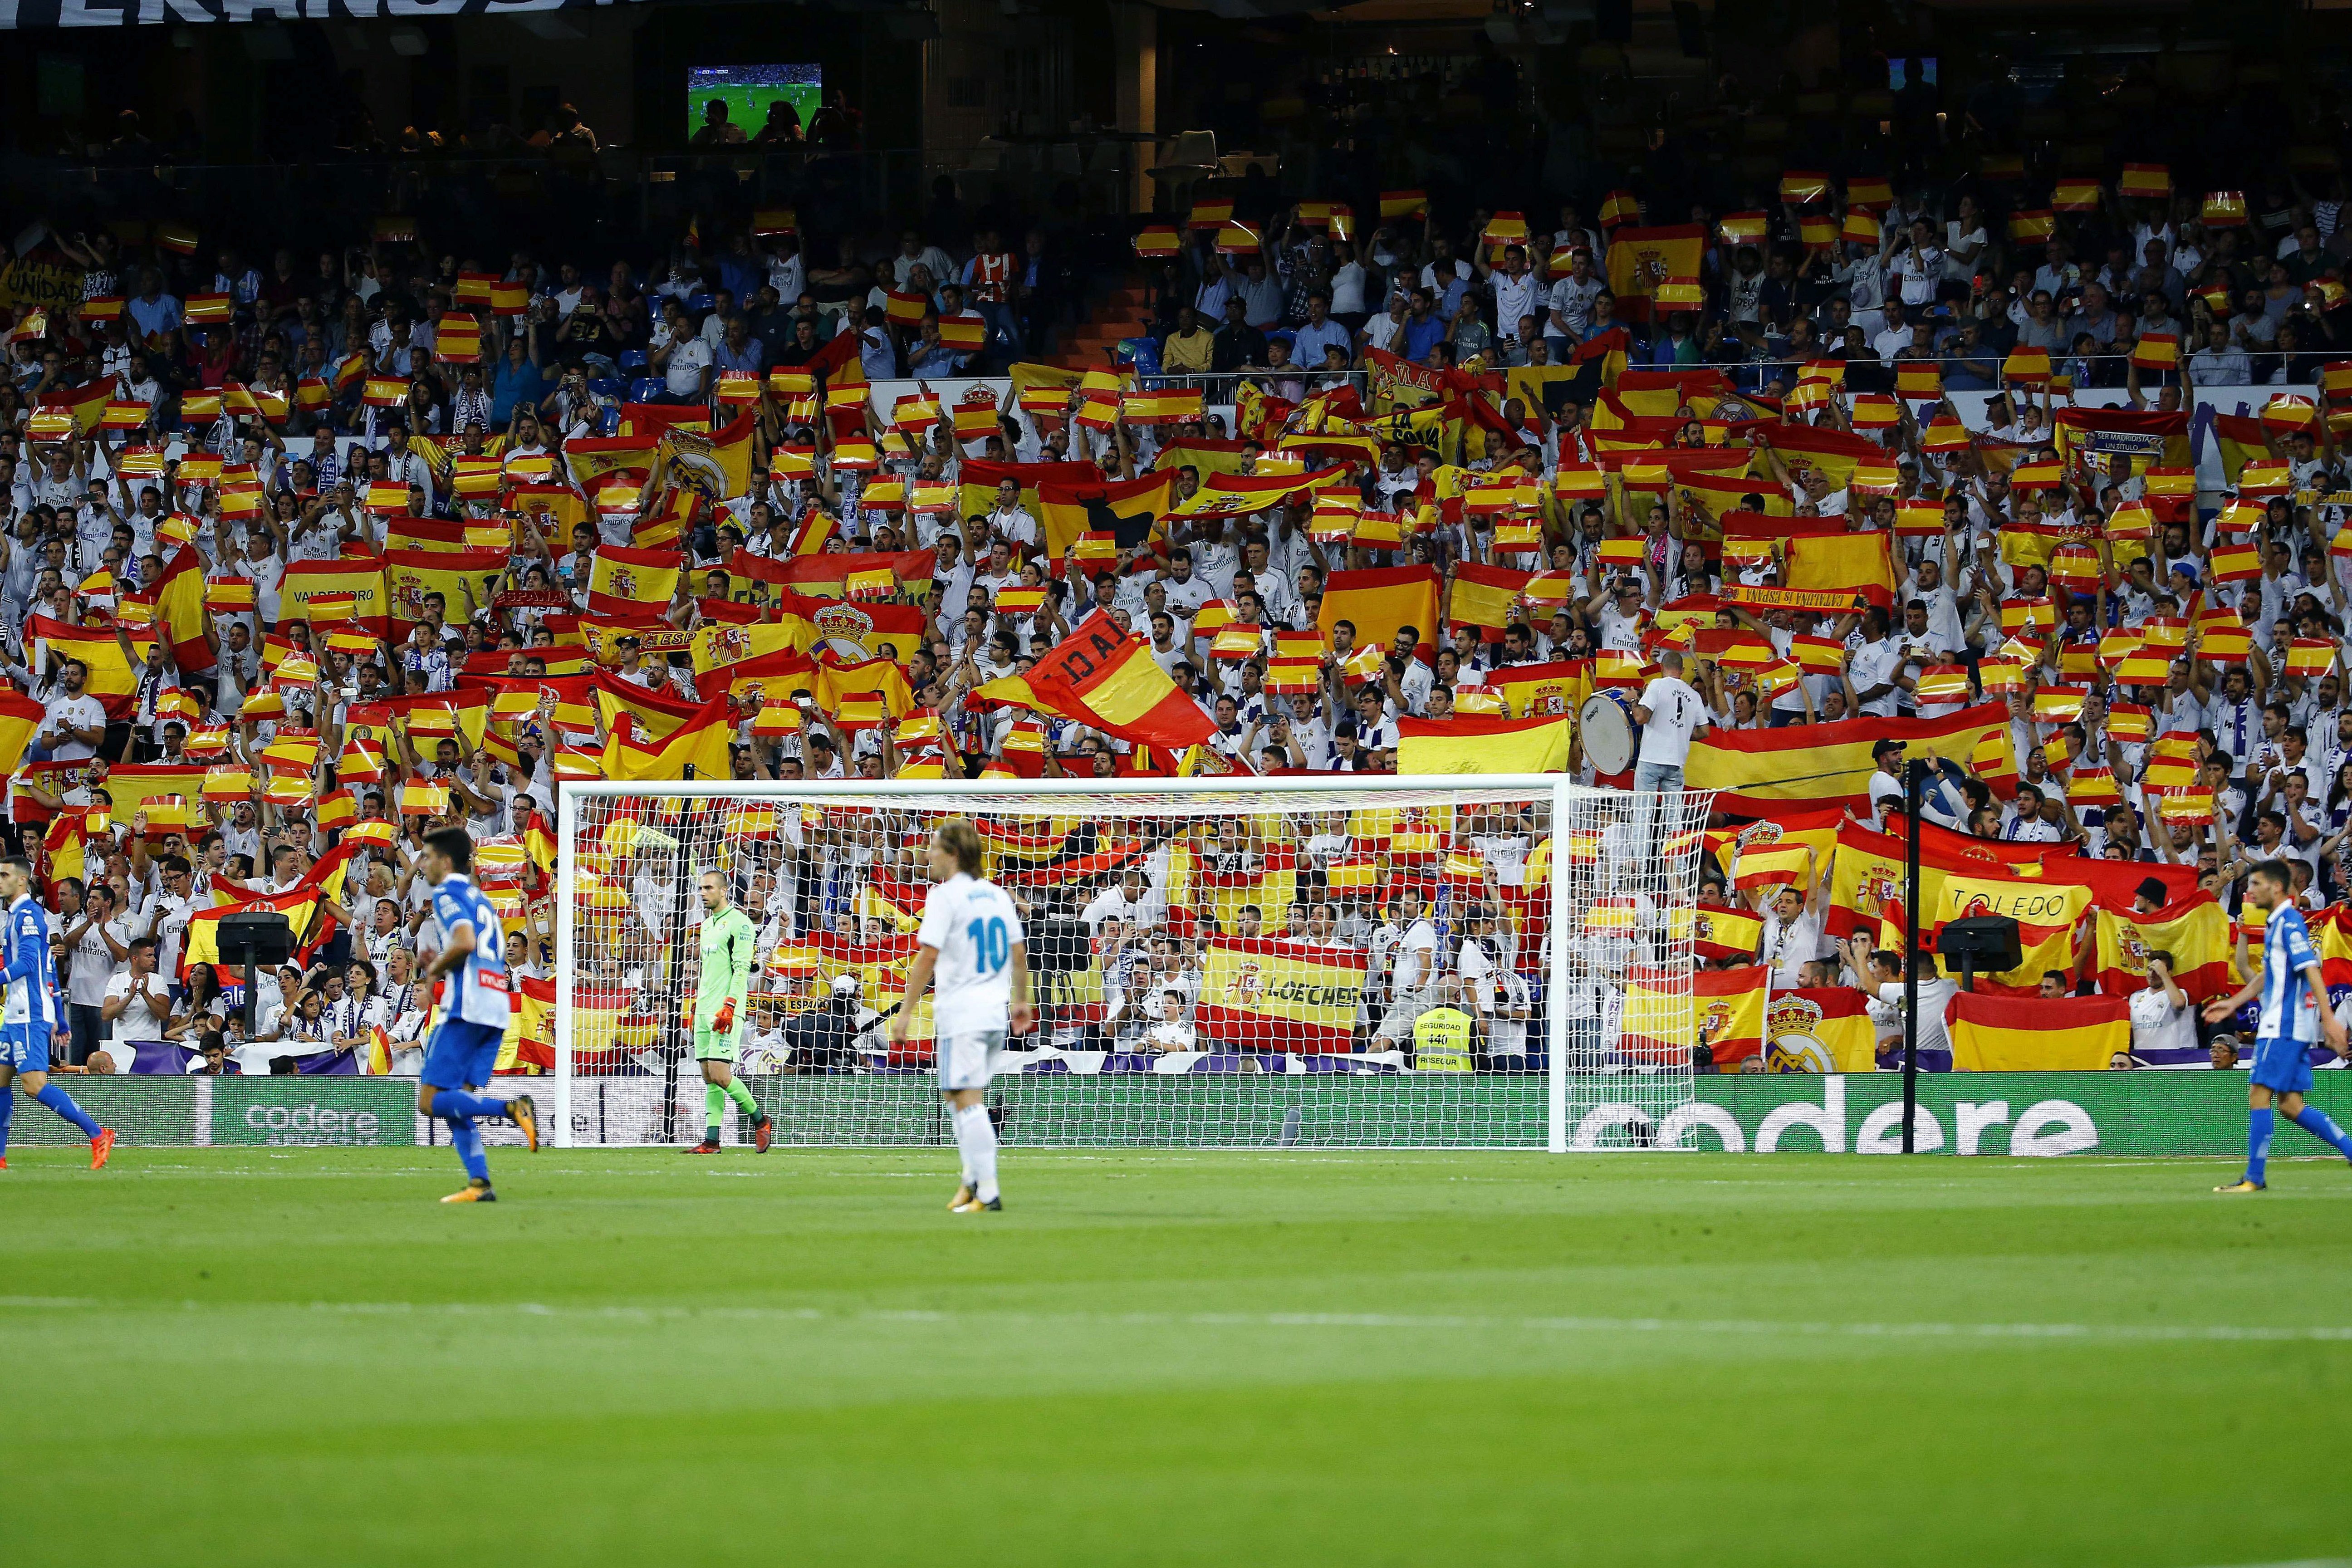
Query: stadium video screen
(747, 90)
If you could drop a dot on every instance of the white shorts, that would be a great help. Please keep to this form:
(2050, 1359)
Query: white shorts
(968, 1061)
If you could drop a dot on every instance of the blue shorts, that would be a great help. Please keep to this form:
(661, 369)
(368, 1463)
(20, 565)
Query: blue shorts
(2283, 1067)
(462, 1055)
(26, 1047)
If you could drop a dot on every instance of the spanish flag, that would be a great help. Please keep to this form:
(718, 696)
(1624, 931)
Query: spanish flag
(2046, 912)
(458, 339)
(980, 479)
(303, 906)
(2037, 1034)
(695, 749)
(1484, 596)
(1272, 995)
(715, 466)
(1640, 258)
(1124, 510)
(411, 575)
(112, 681)
(1380, 601)
(360, 578)
(627, 582)
(1099, 678)
(1480, 745)
(1719, 932)
(20, 720)
(646, 716)
(2075, 195)
(903, 309)
(1776, 865)
(2145, 182)
(2194, 930)
(1762, 772)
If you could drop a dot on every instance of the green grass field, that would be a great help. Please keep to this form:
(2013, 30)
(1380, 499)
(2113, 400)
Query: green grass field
(297, 1357)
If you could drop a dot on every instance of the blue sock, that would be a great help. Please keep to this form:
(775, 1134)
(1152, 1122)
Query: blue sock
(2258, 1140)
(2316, 1123)
(466, 1139)
(453, 1103)
(7, 1114)
(62, 1102)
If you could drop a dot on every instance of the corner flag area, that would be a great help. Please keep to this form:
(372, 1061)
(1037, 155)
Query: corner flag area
(295, 1356)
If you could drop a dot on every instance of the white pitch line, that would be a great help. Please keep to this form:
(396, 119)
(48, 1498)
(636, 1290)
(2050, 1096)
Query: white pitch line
(1744, 1327)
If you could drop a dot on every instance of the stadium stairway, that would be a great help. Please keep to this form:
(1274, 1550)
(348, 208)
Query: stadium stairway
(1123, 312)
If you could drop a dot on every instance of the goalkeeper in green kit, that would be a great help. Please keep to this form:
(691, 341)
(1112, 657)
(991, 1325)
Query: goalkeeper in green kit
(721, 999)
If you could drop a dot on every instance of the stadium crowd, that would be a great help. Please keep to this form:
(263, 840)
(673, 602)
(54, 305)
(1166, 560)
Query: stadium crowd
(367, 546)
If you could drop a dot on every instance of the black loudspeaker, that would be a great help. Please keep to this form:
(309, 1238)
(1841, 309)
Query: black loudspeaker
(1059, 947)
(257, 937)
(1985, 944)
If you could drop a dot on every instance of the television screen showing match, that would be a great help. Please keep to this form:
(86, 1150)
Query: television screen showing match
(748, 91)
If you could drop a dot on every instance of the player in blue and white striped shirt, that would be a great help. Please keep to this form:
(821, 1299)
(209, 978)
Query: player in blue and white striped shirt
(31, 1017)
(476, 1004)
(2296, 1017)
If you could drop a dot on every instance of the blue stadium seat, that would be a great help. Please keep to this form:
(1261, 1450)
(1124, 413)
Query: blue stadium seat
(610, 424)
(698, 304)
(1143, 354)
(646, 388)
(604, 386)
(632, 359)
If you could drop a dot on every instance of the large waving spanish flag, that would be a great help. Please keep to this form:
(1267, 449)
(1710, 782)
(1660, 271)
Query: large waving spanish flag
(2195, 930)
(1273, 995)
(1639, 260)
(695, 749)
(20, 720)
(1380, 602)
(2037, 1034)
(361, 576)
(980, 479)
(717, 465)
(1469, 743)
(1113, 683)
(529, 1042)
(1123, 508)
(2238, 439)
(112, 680)
(625, 582)
(410, 575)
(1821, 765)
(132, 786)
(179, 599)
(1722, 1009)
(654, 716)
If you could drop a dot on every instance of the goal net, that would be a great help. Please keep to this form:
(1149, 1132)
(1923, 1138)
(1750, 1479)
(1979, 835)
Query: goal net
(1505, 962)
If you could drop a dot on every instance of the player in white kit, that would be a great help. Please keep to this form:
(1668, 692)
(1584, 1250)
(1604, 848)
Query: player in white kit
(971, 939)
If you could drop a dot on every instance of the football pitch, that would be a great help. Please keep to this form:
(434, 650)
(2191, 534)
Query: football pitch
(298, 1357)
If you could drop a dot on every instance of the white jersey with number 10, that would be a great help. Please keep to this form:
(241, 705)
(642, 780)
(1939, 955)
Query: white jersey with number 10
(973, 926)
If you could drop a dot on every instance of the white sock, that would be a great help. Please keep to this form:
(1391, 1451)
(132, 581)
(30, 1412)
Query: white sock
(977, 1139)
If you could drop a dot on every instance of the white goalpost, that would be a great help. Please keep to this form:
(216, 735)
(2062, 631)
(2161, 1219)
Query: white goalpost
(1365, 962)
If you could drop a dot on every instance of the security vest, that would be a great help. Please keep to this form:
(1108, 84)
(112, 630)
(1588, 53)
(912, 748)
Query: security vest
(1441, 1040)
(990, 274)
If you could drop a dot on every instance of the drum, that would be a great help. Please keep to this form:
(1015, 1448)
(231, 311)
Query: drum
(1606, 723)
